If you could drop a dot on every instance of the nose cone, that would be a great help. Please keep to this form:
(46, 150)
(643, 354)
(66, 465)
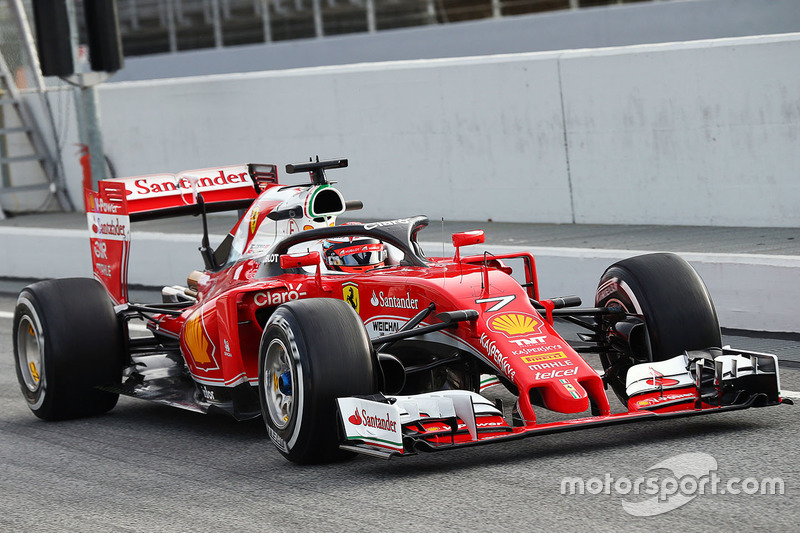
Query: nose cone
(564, 395)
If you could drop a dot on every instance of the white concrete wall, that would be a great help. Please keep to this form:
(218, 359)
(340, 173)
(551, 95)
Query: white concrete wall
(696, 133)
(701, 133)
(758, 293)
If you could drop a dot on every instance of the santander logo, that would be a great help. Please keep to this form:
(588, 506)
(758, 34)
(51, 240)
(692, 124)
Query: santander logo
(355, 419)
(377, 422)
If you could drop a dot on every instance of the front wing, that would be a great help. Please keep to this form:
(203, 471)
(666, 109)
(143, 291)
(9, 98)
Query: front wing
(395, 426)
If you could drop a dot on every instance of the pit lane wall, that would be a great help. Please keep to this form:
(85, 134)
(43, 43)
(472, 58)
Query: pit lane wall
(696, 133)
(751, 292)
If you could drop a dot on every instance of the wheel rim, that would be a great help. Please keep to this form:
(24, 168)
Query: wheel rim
(614, 302)
(29, 354)
(280, 384)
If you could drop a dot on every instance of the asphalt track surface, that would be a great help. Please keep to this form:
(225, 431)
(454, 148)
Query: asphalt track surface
(146, 467)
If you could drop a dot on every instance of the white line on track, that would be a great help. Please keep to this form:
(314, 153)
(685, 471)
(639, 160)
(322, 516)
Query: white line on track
(790, 394)
(133, 327)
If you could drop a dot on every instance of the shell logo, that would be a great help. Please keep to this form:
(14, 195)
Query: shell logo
(197, 341)
(512, 324)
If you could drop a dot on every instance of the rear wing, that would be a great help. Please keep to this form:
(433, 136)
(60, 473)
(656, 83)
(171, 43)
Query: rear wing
(120, 201)
(222, 189)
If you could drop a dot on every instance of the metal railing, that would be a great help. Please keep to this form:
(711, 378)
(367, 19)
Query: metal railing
(158, 26)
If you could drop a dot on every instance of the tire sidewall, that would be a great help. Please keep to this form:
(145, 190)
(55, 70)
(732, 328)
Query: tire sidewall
(615, 291)
(80, 347)
(25, 307)
(331, 357)
(282, 326)
(670, 296)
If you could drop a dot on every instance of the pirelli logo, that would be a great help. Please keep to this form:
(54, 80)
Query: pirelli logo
(538, 358)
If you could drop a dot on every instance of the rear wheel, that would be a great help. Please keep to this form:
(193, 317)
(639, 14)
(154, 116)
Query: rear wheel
(674, 302)
(67, 341)
(312, 352)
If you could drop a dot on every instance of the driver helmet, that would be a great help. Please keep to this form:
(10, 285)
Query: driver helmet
(354, 254)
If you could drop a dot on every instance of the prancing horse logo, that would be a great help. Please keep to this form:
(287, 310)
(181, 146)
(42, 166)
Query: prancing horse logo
(350, 294)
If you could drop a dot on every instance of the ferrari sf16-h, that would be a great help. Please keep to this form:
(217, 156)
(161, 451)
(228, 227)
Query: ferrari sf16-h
(348, 338)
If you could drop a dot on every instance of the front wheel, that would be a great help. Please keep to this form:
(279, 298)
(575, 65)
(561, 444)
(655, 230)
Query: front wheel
(674, 302)
(312, 352)
(67, 342)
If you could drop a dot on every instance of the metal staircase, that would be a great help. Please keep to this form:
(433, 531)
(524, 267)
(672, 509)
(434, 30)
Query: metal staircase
(13, 106)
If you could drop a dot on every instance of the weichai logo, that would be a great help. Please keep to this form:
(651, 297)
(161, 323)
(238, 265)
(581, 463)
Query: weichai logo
(511, 324)
(376, 422)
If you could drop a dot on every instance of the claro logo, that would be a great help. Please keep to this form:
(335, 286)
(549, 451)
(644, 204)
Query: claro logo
(279, 296)
(363, 419)
(373, 225)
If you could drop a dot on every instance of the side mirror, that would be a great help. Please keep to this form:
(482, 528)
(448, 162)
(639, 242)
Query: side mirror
(467, 238)
(310, 259)
(296, 261)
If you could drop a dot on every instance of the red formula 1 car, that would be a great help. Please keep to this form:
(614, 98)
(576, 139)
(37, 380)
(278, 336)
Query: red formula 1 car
(349, 339)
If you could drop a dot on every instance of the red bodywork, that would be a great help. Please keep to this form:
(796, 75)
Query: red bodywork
(219, 335)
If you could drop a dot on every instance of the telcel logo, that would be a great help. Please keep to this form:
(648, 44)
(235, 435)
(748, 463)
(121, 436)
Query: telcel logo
(556, 373)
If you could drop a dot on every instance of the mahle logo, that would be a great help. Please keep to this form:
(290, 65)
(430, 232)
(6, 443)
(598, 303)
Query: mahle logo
(511, 324)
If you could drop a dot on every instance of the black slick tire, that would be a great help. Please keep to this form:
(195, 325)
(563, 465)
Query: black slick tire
(312, 351)
(674, 302)
(67, 341)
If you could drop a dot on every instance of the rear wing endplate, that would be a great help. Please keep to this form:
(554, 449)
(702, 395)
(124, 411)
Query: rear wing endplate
(119, 201)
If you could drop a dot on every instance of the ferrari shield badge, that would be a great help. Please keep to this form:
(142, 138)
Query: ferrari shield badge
(350, 295)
